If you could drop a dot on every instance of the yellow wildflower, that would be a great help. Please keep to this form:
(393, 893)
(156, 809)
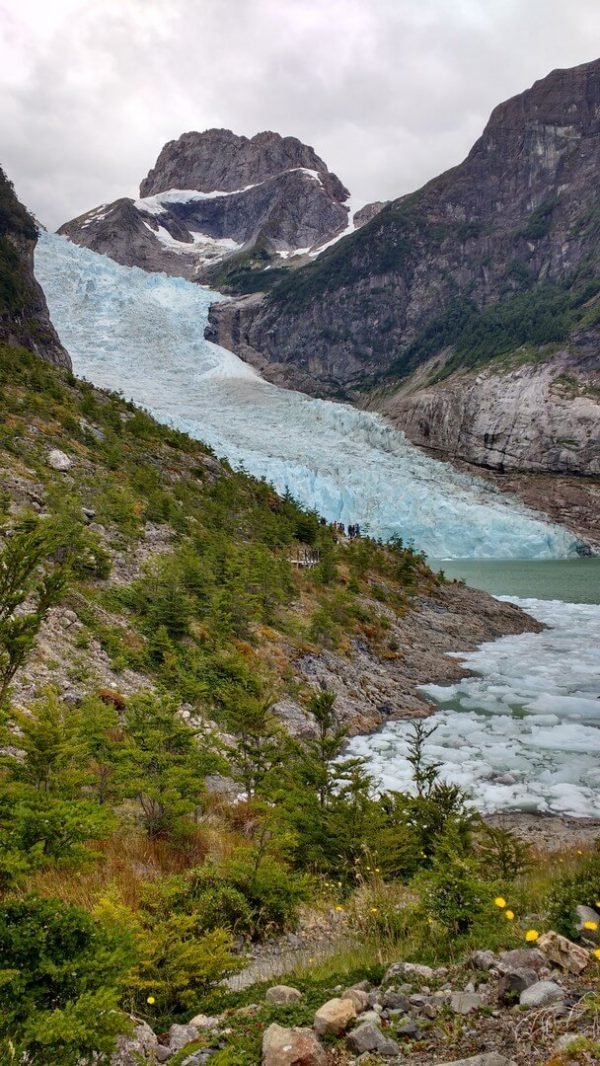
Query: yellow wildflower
(374, 910)
(598, 902)
(500, 902)
(531, 935)
(151, 1000)
(590, 925)
(339, 908)
(377, 870)
(509, 915)
(596, 953)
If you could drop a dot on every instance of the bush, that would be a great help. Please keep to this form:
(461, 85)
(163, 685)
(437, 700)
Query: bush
(59, 969)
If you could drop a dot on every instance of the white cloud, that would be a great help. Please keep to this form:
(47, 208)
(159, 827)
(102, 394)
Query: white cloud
(389, 92)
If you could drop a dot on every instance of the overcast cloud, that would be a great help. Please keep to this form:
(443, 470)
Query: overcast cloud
(389, 92)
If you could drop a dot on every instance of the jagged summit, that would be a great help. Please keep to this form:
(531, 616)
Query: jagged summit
(218, 159)
(216, 196)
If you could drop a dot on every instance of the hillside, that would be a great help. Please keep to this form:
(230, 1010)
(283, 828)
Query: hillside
(476, 291)
(24, 318)
(173, 784)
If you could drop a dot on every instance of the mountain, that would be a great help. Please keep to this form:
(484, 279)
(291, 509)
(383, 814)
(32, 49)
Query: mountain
(24, 318)
(468, 311)
(216, 198)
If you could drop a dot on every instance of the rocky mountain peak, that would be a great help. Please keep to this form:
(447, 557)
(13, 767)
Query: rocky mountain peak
(212, 197)
(218, 159)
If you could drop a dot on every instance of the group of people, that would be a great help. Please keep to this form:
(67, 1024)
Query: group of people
(353, 530)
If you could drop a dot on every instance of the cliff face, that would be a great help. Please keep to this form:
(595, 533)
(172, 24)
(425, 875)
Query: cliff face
(214, 197)
(24, 318)
(496, 258)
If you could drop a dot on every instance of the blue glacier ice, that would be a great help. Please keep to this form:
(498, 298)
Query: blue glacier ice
(143, 335)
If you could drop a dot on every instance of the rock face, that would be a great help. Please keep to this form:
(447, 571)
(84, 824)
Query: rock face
(487, 269)
(214, 196)
(493, 419)
(24, 318)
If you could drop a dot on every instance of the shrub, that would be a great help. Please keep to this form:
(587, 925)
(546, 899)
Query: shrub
(60, 970)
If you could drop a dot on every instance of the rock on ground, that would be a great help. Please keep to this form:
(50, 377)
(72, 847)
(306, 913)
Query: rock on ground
(368, 1037)
(141, 1044)
(491, 1059)
(564, 953)
(291, 1047)
(281, 994)
(541, 994)
(334, 1017)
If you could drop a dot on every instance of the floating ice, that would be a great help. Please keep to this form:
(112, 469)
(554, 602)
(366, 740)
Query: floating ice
(524, 732)
(144, 335)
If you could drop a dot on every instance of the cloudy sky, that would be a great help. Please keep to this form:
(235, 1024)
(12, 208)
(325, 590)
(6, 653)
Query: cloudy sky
(389, 92)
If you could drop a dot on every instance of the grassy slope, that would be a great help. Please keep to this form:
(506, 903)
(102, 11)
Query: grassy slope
(201, 597)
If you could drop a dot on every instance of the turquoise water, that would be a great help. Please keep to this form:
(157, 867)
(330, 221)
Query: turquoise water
(570, 580)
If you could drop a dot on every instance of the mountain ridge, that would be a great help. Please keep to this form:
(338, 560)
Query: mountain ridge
(496, 259)
(217, 204)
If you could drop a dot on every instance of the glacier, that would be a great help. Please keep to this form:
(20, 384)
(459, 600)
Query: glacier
(522, 733)
(143, 334)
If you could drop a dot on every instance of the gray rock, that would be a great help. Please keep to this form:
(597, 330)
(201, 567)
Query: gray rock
(142, 1044)
(541, 994)
(588, 915)
(181, 1035)
(59, 460)
(334, 1017)
(291, 1047)
(466, 1002)
(282, 994)
(521, 958)
(516, 981)
(407, 969)
(205, 1021)
(395, 1000)
(407, 1027)
(566, 1041)
(162, 1053)
(359, 997)
(367, 1037)
(490, 1059)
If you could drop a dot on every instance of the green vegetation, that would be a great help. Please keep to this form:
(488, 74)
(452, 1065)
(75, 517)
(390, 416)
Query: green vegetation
(537, 317)
(126, 878)
(16, 225)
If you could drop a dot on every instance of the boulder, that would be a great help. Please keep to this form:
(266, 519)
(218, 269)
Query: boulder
(368, 1037)
(586, 915)
(163, 1053)
(393, 1000)
(521, 958)
(564, 953)
(182, 1035)
(204, 1021)
(407, 1027)
(359, 997)
(334, 1017)
(282, 994)
(466, 1002)
(483, 960)
(59, 461)
(566, 1041)
(407, 969)
(515, 982)
(140, 1045)
(542, 994)
(291, 1047)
